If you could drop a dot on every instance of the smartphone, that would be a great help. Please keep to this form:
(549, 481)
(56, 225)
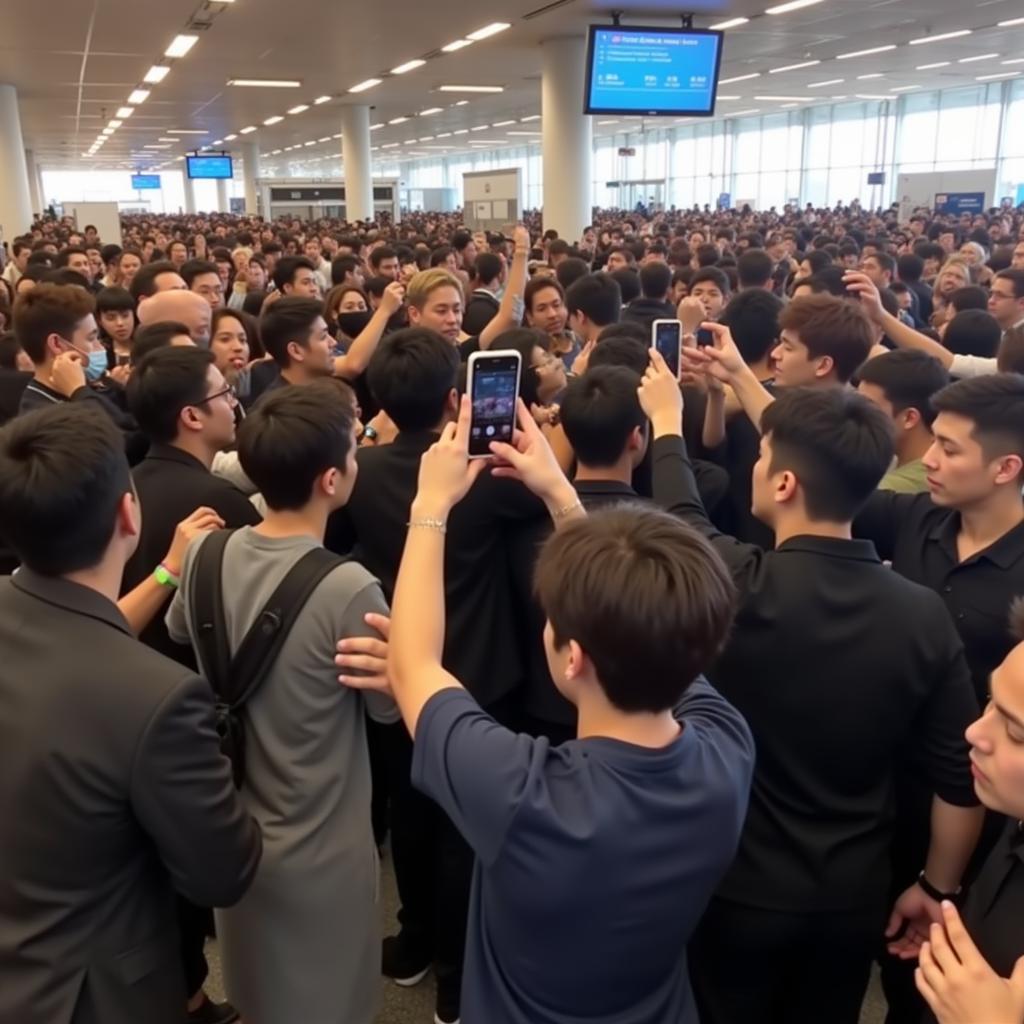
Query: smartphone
(704, 337)
(667, 339)
(493, 384)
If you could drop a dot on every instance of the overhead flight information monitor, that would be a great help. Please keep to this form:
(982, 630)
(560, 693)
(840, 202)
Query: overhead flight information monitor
(209, 166)
(652, 71)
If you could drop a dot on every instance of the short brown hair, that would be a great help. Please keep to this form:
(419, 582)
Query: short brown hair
(49, 309)
(833, 327)
(427, 281)
(647, 597)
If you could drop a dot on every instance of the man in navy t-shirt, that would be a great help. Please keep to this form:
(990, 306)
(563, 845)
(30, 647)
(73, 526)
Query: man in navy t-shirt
(595, 859)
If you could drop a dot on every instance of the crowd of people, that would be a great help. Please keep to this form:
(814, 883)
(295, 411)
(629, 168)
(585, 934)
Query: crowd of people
(696, 701)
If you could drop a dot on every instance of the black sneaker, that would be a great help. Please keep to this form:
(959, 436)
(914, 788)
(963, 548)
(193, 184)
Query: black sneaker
(401, 963)
(213, 1013)
(447, 1007)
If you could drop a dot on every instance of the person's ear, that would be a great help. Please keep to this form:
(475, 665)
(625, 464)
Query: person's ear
(909, 418)
(190, 419)
(785, 487)
(576, 664)
(295, 352)
(452, 405)
(129, 515)
(1008, 469)
(637, 439)
(327, 482)
(825, 365)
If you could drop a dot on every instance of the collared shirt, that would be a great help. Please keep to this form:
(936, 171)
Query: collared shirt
(995, 904)
(836, 698)
(919, 538)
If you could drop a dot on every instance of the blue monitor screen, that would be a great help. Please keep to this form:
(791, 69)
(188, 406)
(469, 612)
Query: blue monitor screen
(209, 166)
(145, 181)
(652, 71)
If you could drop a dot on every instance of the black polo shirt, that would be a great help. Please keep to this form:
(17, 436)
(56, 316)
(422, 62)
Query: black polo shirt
(919, 538)
(994, 911)
(843, 669)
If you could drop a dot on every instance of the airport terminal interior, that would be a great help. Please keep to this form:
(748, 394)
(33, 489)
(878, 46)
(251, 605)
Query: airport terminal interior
(512, 513)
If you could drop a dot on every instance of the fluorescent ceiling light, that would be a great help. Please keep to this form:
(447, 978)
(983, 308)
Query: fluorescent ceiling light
(731, 23)
(273, 120)
(1002, 74)
(274, 152)
(526, 133)
(488, 30)
(320, 100)
(785, 105)
(114, 124)
(480, 128)
(301, 108)
(409, 65)
(408, 142)
(725, 98)
(247, 129)
(107, 131)
(782, 99)
(431, 110)
(363, 86)
(1016, 60)
(337, 136)
(937, 64)
(472, 88)
(981, 56)
(457, 45)
(326, 138)
(398, 120)
(265, 83)
(164, 138)
(125, 111)
(192, 131)
(794, 67)
(157, 73)
(818, 85)
(444, 135)
(374, 127)
(426, 138)
(904, 88)
(461, 131)
(389, 145)
(793, 5)
(156, 145)
(228, 138)
(503, 124)
(941, 36)
(532, 117)
(1012, 21)
(740, 113)
(874, 74)
(870, 96)
(312, 142)
(739, 78)
(865, 53)
(180, 45)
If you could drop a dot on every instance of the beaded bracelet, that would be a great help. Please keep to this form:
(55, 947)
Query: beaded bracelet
(428, 524)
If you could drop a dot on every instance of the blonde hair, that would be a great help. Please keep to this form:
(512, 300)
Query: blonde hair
(427, 281)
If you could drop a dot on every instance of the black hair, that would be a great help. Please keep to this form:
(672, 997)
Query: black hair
(817, 260)
(655, 280)
(9, 349)
(289, 319)
(597, 296)
(523, 340)
(837, 444)
(381, 253)
(163, 383)
(994, 403)
(66, 276)
(144, 281)
(715, 275)
(973, 332)
(707, 255)
(111, 299)
(191, 269)
(754, 269)
(621, 349)
(570, 270)
(342, 266)
(292, 436)
(910, 267)
(411, 375)
(628, 280)
(65, 255)
(487, 268)
(908, 378)
(150, 337)
(286, 269)
(599, 412)
(752, 317)
(63, 474)
(828, 281)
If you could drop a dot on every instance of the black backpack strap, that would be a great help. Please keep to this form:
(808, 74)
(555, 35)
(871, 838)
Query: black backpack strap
(206, 597)
(262, 643)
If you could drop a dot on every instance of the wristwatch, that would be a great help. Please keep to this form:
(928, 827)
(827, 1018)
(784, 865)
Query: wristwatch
(369, 434)
(936, 894)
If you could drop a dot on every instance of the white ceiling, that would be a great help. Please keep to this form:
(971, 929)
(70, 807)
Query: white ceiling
(74, 63)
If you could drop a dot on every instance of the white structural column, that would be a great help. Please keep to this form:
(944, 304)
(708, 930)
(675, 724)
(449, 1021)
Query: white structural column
(190, 193)
(35, 191)
(567, 137)
(251, 171)
(222, 195)
(15, 199)
(355, 155)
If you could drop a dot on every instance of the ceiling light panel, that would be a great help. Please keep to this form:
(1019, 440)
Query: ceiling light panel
(156, 74)
(180, 45)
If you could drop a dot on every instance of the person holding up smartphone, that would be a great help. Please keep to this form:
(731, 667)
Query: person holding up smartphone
(637, 605)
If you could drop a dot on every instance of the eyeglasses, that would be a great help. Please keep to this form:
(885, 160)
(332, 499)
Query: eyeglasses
(229, 391)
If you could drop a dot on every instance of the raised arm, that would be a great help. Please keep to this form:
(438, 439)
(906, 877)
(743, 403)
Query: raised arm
(355, 361)
(510, 312)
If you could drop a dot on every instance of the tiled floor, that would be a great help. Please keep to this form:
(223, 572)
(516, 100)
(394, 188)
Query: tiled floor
(416, 1005)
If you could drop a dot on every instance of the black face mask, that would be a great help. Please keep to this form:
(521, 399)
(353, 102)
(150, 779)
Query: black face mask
(353, 324)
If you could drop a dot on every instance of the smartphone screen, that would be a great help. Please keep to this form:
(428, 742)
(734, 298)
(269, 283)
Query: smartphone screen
(705, 337)
(494, 384)
(668, 335)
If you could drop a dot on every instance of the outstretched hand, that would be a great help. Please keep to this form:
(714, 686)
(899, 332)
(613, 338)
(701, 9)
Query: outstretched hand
(529, 458)
(721, 360)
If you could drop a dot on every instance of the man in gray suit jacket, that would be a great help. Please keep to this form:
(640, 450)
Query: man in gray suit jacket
(113, 791)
